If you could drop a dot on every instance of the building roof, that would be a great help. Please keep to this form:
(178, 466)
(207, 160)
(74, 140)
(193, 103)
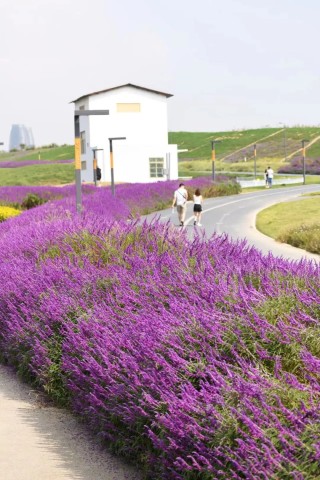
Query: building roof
(121, 86)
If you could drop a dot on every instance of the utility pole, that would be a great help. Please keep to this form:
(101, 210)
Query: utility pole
(255, 160)
(77, 150)
(111, 161)
(284, 140)
(304, 159)
(213, 156)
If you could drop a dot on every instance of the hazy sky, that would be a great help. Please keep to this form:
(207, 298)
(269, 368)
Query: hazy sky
(230, 64)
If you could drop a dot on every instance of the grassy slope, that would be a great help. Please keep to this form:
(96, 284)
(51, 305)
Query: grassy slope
(235, 152)
(38, 175)
(283, 216)
(56, 153)
(199, 143)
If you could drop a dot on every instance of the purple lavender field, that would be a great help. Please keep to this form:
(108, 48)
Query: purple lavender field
(27, 163)
(198, 359)
(312, 166)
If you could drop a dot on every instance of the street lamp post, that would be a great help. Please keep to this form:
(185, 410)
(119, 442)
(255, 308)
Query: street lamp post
(95, 164)
(213, 157)
(111, 161)
(304, 159)
(255, 160)
(77, 150)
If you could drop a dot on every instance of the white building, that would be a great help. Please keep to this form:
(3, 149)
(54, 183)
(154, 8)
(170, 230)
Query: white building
(140, 115)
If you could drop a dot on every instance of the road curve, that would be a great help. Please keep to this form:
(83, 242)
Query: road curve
(235, 215)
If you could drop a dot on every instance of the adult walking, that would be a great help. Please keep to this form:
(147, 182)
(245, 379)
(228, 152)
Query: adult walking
(180, 198)
(197, 207)
(266, 177)
(270, 176)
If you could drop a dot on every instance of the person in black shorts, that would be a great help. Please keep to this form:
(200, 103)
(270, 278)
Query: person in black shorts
(197, 207)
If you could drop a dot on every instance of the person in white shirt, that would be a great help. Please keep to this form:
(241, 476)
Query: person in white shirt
(270, 176)
(180, 198)
(197, 207)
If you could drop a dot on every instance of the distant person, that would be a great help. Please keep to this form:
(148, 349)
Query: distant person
(266, 177)
(197, 207)
(180, 198)
(270, 176)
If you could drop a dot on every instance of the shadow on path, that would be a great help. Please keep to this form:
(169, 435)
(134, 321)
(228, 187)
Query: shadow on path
(41, 442)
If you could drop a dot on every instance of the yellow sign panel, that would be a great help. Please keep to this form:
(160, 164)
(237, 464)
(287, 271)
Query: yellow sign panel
(128, 107)
(77, 154)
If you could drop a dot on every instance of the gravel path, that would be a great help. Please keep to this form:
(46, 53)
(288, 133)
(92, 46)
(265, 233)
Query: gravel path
(41, 442)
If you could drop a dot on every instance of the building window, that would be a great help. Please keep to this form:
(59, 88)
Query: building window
(83, 142)
(81, 107)
(156, 167)
(128, 107)
(83, 165)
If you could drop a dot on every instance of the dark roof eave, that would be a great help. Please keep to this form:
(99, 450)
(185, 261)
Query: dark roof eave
(168, 95)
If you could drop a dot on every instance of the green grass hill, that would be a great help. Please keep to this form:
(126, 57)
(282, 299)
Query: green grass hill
(235, 145)
(234, 153)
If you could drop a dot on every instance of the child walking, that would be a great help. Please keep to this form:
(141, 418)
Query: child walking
(197, 207)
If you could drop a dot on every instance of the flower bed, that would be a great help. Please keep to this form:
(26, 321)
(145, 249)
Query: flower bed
(312, 166)
(199, 359)
(27, 163)
(7, 212)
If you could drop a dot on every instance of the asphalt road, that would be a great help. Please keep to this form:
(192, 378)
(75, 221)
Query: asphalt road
(235, 215)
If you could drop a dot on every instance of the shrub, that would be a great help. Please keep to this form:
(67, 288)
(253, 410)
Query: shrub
(198, 358)
(312, 166)
(305, 236)
(8, 212)
(216, 189)
(32, 200)
(217, 378)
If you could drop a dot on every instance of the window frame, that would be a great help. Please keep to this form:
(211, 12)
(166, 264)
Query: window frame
(156, 167)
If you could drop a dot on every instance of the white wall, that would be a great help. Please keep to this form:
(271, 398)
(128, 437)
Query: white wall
(131, 163)
(146, 135)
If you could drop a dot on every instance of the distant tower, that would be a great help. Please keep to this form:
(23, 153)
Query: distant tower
(20, 135)
(31, 139)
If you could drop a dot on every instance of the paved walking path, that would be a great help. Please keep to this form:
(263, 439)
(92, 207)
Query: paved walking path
(41, 442)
